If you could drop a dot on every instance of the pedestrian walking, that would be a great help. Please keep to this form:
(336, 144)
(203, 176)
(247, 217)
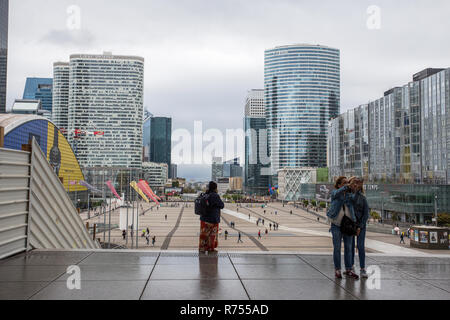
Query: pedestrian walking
(270, 227)
(267, 231)
(124, 234)
(402, 238)
(166, 217)
(259, 234)
(148, 239)
(154, 241)
(240, 238)
(226, 234)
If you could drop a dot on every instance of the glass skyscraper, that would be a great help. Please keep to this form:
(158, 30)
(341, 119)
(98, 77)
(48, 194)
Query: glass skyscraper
(403, 137)
(157, 138)
(40, 89)
(257, 162)
(302, 94)
(4, 13)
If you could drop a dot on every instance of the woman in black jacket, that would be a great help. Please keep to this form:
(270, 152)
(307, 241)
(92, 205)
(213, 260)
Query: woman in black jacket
(209, 230)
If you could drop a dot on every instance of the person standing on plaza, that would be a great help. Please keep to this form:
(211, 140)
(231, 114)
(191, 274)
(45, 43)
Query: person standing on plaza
(226, 234)
(341, 205)
(153, 240)
(361, 208)
(259, 234)
(402, 238)
(240, 238)
(209, 230)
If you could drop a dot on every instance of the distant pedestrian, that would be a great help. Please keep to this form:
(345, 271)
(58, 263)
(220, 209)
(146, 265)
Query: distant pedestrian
(264, 222)
(148, 239)
(318, 219)
(267, 232)
(270, 225)
(166, 217)
(154, 241)
(249, 217)
(259, 234)
(226, 234)
(291, 212)
(148, 231)
(240, 238)
(124, 234)
(402, 238)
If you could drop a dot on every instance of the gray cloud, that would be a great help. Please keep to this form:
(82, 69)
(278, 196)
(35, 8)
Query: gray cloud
(202, 56)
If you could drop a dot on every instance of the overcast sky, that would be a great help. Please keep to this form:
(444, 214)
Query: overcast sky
(202, 56)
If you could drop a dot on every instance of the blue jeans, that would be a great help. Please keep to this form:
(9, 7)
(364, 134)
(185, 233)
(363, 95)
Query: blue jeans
(361, 244)
(337, 244)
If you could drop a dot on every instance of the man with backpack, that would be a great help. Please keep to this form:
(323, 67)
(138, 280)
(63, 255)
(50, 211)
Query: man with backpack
(208, 207)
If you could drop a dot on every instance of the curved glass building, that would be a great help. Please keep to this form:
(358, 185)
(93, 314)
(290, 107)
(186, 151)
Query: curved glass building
(302, 93)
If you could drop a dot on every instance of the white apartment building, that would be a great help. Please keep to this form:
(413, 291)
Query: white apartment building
(60, 111)
(156, 174)
(105, 106)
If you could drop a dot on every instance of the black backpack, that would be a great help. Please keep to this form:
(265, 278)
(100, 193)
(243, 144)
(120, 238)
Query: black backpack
(201, 205)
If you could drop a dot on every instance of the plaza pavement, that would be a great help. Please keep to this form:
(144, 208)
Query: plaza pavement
(299, 232)
(294, 263)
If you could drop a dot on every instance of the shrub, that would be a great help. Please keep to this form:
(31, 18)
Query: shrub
(375, 215)
(305, 202)
(444, 219)
(314, 203)
(323, 205)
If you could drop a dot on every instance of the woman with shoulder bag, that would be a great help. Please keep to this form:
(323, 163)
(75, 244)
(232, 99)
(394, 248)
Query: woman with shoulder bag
(342, 217)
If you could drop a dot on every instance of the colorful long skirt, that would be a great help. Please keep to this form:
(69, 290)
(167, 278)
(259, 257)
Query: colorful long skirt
(209, 235)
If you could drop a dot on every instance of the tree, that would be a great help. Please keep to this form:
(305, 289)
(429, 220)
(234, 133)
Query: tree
(175, 184)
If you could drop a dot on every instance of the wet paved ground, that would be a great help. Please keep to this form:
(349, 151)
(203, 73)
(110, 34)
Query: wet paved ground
(133, 275)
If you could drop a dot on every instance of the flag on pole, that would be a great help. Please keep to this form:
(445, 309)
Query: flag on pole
(134, 185)
(113, 190)
(90, 187)
(144, 187)
(147, 187)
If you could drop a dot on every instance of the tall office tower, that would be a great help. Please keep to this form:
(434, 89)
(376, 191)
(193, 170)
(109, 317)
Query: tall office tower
(256, 173)
(106, 97)
(60, 113)
(40, 89)
(4, 18)
(232, 169)
(157, 138)
(401, 138)
(302, 94)
(254, 105)
(216, 169)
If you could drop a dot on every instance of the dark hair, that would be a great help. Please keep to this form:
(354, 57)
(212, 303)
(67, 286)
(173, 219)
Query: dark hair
(339, 182)
(212, 187)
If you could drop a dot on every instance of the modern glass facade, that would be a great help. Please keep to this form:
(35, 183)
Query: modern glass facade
(60, 105)
(157, 139)
(403, 137)
(257, 163)
(4, 18)
(40, 89)
(302, 93)
(106, 95)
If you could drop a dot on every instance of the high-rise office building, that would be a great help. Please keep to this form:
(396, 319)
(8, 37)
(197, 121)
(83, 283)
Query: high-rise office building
(257, 163)
(302, 93)
(157, 139)
(403, 137)
(106, 97)
(4, 19)
(254, 104)
(60, 113)
(40, 89)
(216, 169)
